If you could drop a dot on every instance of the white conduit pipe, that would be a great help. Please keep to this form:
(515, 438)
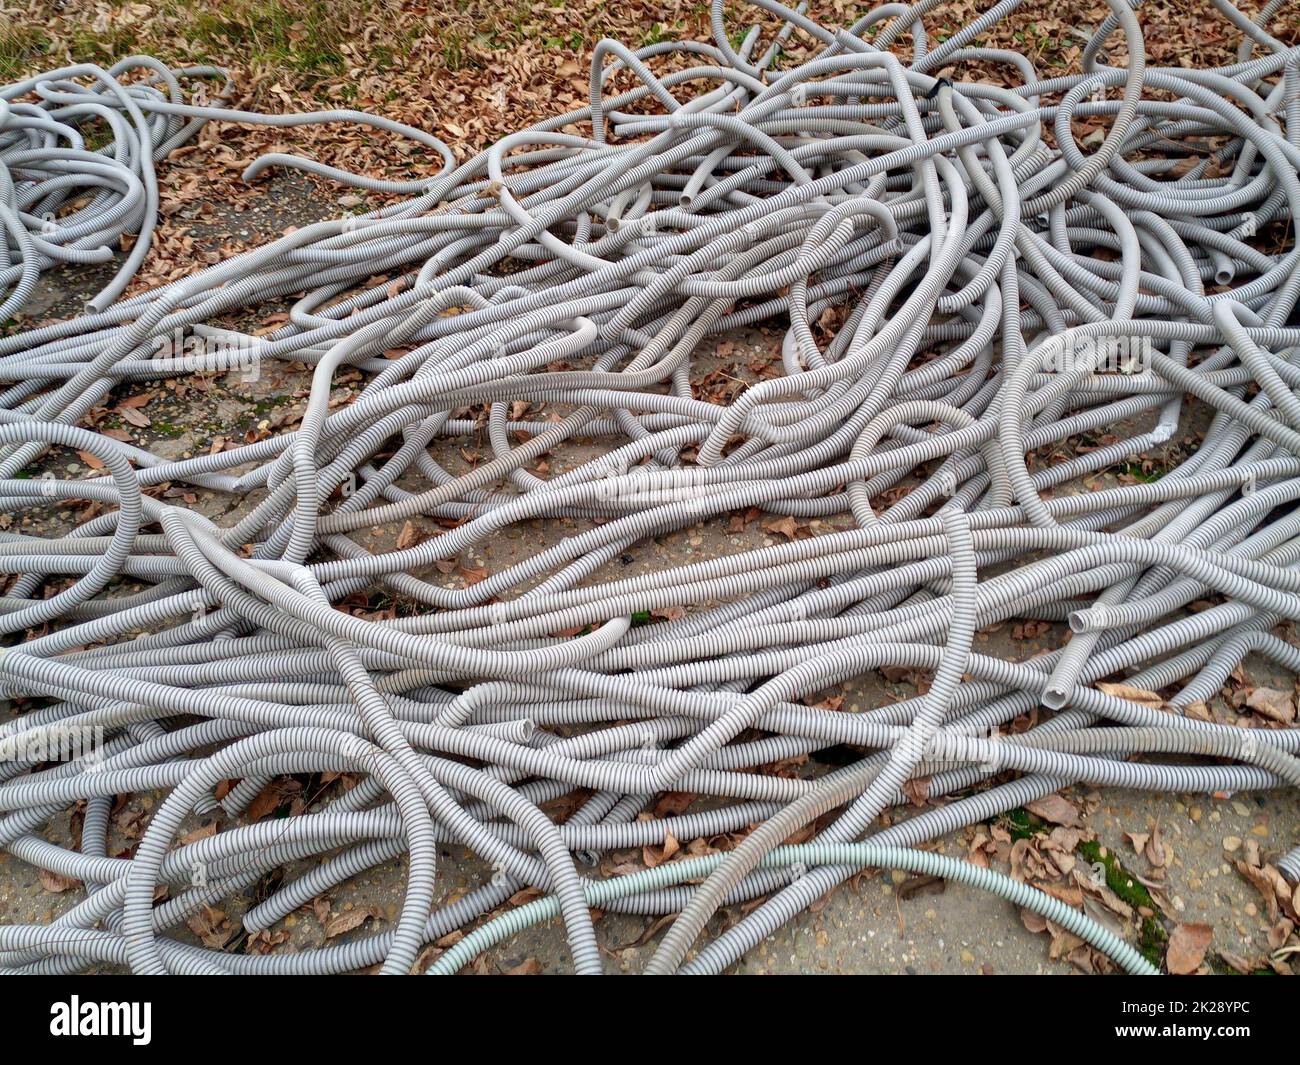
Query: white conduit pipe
(956, 295)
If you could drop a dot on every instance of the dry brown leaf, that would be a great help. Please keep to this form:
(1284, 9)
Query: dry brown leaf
(1099, 889)
(1240, 962)
(1132, 694)
(409, 536)
(674, 803)
(1063, 942)
(1070, 894)
(266, 801)
(917, 790)
(1272, 704)
(1263, 883)
(200, 833)
(56, 882)
(668, 613)
(348, 920)
(1056, 809)
(1138, 840)
(1187, 946)
(1103, 915)
(211, 926)
(653, 856)
(1156, 852)
(786, 526)
(1280, 932)
(263, 940)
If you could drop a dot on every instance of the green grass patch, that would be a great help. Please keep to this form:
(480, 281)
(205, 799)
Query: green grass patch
(281, 33)
(1118, 879)
(1153, 940)
(20, 47)
(1020, 823)
(1135, 470)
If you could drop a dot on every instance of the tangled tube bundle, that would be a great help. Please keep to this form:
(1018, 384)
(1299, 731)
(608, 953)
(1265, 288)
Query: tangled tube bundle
(954, 274)
(61, 202)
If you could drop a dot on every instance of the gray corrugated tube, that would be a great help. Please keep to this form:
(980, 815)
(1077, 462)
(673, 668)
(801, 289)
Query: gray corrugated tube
(964, 290)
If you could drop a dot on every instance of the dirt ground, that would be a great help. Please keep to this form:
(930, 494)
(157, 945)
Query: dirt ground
(878, 923)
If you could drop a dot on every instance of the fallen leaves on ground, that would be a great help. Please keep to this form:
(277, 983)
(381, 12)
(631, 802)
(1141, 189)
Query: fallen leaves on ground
(1055, 808)
(1270, 703)
(56, 882)
(1187, 946)
(350, 920)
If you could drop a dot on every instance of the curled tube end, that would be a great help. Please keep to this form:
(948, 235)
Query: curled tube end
(1055, 697)
(1091, 620)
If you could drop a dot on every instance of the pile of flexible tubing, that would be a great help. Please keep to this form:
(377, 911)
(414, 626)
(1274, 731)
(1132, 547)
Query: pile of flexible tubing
(952, 269)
